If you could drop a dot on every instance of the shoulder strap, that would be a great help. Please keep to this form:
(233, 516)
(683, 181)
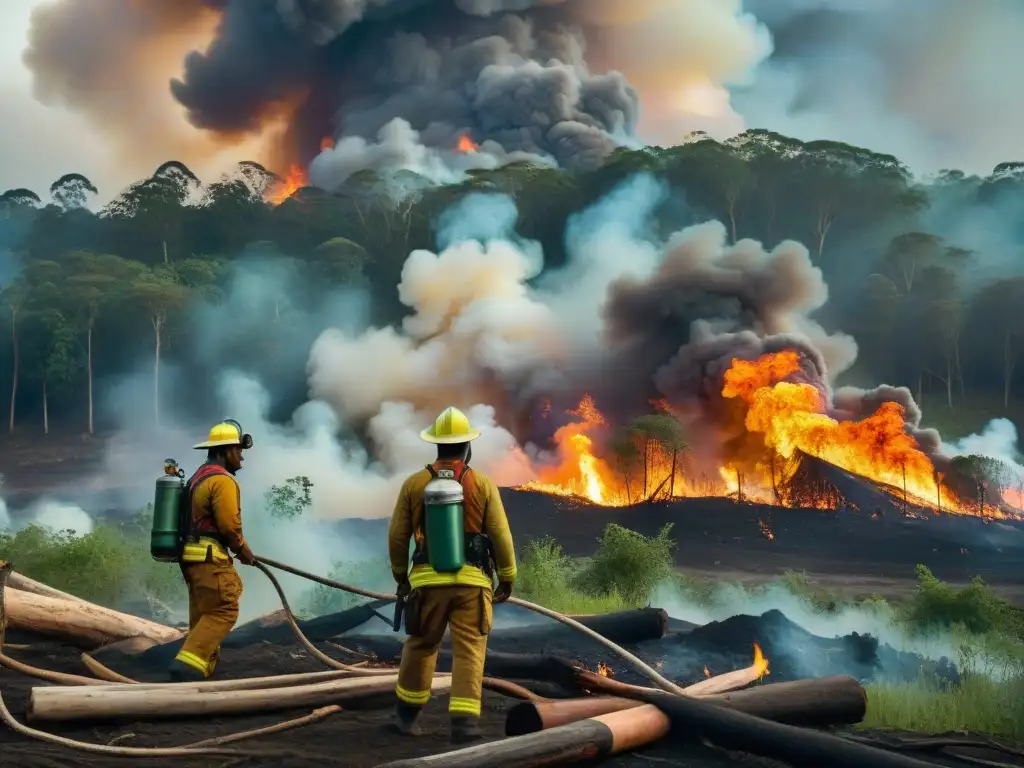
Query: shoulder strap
(205, 471)
(432, 471)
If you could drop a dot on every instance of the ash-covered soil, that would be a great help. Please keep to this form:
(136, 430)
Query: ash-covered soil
(357, 738)
(352, 739)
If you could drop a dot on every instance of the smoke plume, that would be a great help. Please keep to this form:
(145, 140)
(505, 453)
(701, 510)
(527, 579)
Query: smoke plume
(922, 79)
(395, 82)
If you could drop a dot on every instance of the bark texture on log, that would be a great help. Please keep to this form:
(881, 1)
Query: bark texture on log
(799, 747)
(131, 701)
(812, 703)
(585, 740)
(83, 624)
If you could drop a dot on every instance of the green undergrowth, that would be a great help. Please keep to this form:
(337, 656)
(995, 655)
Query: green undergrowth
(110, 565)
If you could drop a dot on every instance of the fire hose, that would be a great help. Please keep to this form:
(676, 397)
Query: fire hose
(211, 747)
(637, 664)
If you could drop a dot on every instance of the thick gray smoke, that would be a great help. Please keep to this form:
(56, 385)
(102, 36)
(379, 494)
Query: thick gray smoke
(394, 83)
(674, 314)
(924, 80)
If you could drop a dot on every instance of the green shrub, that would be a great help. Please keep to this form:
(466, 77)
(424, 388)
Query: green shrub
(975, 608)
(320, 600)
(629, 564)
(111, 565)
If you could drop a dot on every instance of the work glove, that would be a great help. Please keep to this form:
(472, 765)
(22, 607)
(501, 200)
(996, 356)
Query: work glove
(503, 592)
(246, 556)
(403, 589)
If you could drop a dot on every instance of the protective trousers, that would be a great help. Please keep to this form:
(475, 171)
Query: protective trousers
(467, 612)
(214, 591)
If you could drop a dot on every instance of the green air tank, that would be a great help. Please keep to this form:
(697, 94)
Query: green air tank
(444, 524)
(163, 541)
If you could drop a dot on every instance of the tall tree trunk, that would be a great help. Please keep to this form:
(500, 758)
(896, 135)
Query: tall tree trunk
(88, 369)
(647, 453)
(825, 221)
(672, 479)
(17, 367)
(46, 411)
(158, 327)
(163, 242)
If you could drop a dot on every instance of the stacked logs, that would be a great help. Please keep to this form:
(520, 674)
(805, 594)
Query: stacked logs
(606, 717)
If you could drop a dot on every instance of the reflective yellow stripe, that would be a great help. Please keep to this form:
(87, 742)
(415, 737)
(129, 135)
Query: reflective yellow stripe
(467, 576)
(194, 661)
(412, 697)
(195, 551)
(457, 706)
(507, 574)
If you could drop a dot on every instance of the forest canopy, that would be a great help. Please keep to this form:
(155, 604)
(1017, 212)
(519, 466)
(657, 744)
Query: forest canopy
(927, 275)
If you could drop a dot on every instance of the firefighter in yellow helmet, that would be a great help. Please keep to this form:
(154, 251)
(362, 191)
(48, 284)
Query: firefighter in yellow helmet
(214, 532)
(452, 578)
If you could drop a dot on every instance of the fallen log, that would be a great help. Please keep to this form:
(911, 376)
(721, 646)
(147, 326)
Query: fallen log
(732, 730)
(25, 584)
(815, 702)
(130, 701)
(623, 627)
(82, 624)
(590, 739)
(274, 628)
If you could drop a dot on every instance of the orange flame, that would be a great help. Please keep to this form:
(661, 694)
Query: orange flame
(327, 142)
(780, 420)
(706, 672)
(288, 186)
(466, 144)
(766, 530)
(760, 662)
(603, 669)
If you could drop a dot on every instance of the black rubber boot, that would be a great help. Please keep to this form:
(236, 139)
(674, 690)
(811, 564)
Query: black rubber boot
(466, 730)
(180, 672)
(406, 716)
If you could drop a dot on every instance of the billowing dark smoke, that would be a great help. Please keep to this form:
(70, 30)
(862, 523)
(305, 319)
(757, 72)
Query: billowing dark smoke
(394, 82)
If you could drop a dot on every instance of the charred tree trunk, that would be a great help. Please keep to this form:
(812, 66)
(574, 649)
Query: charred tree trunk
(672, 479)
(814, 703)
(46, 411)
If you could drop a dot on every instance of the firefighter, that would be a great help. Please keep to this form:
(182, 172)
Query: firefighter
(214, 532)
(459, 600)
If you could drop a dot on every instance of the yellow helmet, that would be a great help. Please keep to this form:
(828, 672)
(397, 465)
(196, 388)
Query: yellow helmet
(227, 432)
(451, 426)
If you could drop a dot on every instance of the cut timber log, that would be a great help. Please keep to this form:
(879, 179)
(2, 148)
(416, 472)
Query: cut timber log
(134, 702)
(815, 702)
(83, 624)
(626, 627)
(737, 731)
(25, 584)
(590, 739)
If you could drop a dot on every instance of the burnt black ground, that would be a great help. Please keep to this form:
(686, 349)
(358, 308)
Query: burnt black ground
(850, 551)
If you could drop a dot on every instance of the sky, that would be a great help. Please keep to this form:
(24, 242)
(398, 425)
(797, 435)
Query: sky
(930, 81)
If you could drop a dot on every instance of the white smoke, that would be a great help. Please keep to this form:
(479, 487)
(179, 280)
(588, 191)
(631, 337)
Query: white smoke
(60, 517)
(997, 440)
(5, 516)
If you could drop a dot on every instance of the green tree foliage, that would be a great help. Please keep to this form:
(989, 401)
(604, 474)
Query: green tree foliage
(290, 500)
(131, 274)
